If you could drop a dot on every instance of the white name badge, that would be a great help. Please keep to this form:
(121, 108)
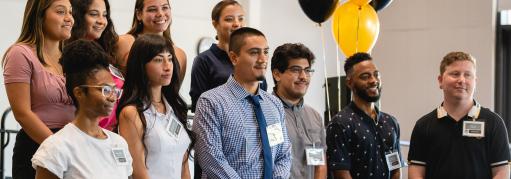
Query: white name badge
(473, 128)
(120, 156)
(173, 128)
(275, 135)
(315, 156)
(393, 161)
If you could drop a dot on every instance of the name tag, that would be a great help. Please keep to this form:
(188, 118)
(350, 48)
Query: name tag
(473, 128)
(275, 135)
(315, 156)
(393, 161)
(174, 127)
(120, 156)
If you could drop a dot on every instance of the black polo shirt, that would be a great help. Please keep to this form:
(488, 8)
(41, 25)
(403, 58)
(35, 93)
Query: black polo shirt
(438, 144)
(357, 143)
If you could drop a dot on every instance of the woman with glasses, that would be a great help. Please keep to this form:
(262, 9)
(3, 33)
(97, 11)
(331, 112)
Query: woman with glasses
(34, 81)
(93, 22)
(82, 149)
(152, 115)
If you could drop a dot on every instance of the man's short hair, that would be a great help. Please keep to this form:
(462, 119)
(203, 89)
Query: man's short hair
(452, 57)
(238, 38)
(290, 51)
(355, 59)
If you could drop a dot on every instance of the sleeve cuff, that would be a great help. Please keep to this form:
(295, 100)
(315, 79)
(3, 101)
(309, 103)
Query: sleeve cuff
(496, 164)
(416, 162)
(48, 166)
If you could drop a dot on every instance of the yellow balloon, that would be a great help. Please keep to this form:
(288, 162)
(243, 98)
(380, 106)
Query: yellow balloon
(360, 2)
(355, 28)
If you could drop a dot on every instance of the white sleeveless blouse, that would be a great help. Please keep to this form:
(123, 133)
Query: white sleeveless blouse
(164, 152)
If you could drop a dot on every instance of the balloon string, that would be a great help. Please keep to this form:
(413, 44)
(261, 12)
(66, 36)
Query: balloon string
(338, 63)
(358, 28)
(326, 78)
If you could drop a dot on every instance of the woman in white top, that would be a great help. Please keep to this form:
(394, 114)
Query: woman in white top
(152, 115)
(82, 149)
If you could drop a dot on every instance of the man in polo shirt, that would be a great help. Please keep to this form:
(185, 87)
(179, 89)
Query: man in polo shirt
(291, 69)
(362, 141)
(459, 139)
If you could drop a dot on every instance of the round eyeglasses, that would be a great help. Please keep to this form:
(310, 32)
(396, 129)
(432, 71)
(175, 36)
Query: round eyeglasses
(106, 90)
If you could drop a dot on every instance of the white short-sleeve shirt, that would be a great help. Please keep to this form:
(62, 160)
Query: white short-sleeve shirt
(71, 153)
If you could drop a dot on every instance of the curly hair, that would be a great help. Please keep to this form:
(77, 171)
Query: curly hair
(355, 59)
(80, 60)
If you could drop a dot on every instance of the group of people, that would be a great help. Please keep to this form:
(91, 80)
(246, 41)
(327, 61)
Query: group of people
(93, 104)
(459, 139)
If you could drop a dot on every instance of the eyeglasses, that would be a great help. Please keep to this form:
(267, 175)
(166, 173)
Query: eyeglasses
(115, 72)
(106, 90)
(297, 70)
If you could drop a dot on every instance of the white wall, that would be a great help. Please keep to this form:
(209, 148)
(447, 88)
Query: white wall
(504, 4)
(11, 14)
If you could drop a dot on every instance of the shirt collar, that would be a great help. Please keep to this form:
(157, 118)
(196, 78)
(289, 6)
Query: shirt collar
(473, 113)
(219, 52)
(359, 111)
(288, 104)
(238, 91)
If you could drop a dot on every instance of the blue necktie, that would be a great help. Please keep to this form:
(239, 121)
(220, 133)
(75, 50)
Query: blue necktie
(268, 164)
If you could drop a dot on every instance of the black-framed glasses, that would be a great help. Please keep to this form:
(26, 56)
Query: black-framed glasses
(298, 70)
(106, 90)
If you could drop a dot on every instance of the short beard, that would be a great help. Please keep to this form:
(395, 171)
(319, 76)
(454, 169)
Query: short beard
(364, 96)
(260, 78)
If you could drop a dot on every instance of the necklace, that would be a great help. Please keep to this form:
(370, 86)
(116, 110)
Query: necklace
(55, 68)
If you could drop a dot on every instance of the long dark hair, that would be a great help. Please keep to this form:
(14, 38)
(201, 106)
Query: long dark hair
(136, 85)
(109, 37)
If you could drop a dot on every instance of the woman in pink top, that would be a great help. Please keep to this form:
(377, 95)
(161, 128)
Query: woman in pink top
(34, 79)
(93, 22)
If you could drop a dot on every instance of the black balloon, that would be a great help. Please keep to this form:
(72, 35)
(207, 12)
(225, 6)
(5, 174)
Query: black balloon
(318, 10)
(380, 4)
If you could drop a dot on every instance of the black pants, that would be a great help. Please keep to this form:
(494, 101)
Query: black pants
(24, 149)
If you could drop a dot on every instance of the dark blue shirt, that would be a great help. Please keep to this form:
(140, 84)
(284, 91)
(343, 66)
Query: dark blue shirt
(210, 69)
(358, 143)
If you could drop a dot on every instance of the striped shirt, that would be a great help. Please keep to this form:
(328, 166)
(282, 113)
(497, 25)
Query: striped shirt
(228, 138)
